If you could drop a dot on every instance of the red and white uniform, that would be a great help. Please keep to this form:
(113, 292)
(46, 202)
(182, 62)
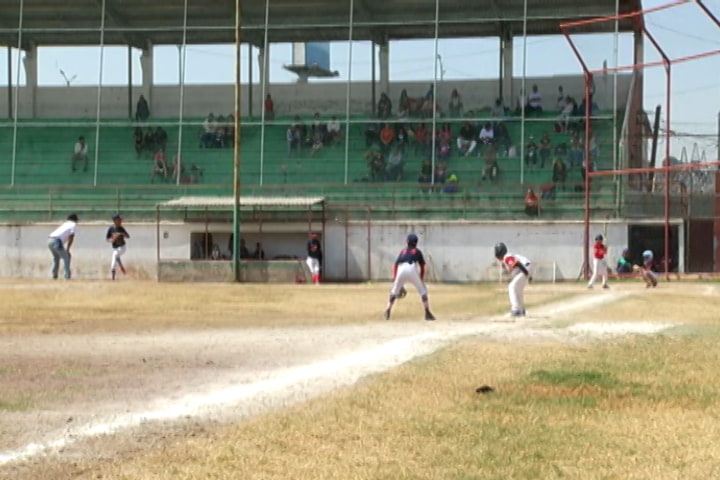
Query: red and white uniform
(516, 288)
(600, 267)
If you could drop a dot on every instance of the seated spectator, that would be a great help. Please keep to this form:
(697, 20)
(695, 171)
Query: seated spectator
(425, 177)
(160, 166)
(292, 138)
(534, 101)
(422, 140)
(563, 121)
(302, 132)
(576, 152)
(318, 140)
(404, 105)
(487, 134)
(395, 163)
(443, 148)
(207, 139)
(501, 136)
(80, 154)
(384, 106)
(624, 265)
(138, 140)
(466, 142)
(259, 253)
(387, 137)
(445, 133)
(492, 169)
(547, 191)
(532, 203)
(559, 172)
(334, 132)
(161, 138)
(441, 172)
(455, 107)
(428, 102)
(372, 133)
(142, 109)
(531, 152)
(561, 99)
(451, 186)
(317, 125)
(545, 149)
(269, 108)
(498, 111)
(376, 163)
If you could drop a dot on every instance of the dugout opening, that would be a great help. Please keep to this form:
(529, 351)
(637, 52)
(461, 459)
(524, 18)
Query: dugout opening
(652, 237)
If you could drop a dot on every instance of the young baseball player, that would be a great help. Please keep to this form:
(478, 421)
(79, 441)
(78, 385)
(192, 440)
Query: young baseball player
(646, 269)
(409, 267)
(520, 269)
(600, 267)
(314, 257)
(116, 236)
(59, 243)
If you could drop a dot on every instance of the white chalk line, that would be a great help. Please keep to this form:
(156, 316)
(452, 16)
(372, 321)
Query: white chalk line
(353, 366)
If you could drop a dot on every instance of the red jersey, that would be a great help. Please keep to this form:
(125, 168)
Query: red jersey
(600, 250)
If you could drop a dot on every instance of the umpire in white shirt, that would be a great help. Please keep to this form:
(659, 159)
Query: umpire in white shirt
(59, 243)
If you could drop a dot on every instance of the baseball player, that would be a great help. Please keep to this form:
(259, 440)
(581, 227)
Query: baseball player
(116, 236)
(59, 243)
(646, 269)
(409, 267)
(314, 257)
(600, 267)
(520, 269)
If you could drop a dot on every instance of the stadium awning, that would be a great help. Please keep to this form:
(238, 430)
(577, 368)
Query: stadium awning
(229, 202)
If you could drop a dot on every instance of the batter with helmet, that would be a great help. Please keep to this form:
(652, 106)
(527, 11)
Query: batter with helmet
(600, 267)
(520, 269)
(409, 268)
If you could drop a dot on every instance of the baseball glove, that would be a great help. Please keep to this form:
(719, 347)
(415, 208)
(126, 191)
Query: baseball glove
(636, 268)
(402, 293)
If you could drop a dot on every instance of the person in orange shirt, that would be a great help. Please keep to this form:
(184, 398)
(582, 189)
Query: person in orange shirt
(387, 137)
(269, 108)
(600, 267)
(532, 203)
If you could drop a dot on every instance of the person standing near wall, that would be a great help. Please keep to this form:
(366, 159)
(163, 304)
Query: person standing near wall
(116, 236)
(600, 268)
(59, 243)
(314, 257)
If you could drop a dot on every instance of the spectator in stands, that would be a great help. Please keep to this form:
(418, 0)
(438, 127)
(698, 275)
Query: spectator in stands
(334, 132)
(402, 138)
(230, 130)
(372, 134)
(269, 108)
(149, 141)
(142, 109)
(532, 203)
(487, 134)
(292, 137)
(466, 142)
(575, 152)
(451, 186)
(80, 154)
(531, 152)
(563, 122)
(395, 164)
(441, 172)
(404, 110)
(561, 99)
(534, 101)
(138, 138)
(492, 169)
(443, 142)
(160, 166)
(318, 140)
(376, 163)
(387, 137)
(207, 138)
(384, 106)
(455, 107)
(259, 253)
(545, 150)
(422, 140)
(302, 131)
(559, 172)
(318, 126)
(498, 111)
(425, 177)
(429, 102)
(161, 138)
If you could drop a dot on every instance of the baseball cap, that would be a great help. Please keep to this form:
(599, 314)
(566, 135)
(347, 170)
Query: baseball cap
(117, 216)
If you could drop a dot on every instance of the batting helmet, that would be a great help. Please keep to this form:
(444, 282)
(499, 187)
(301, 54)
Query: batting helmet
(598, 238)
(412, 240)
(500, 250)
(647, 255)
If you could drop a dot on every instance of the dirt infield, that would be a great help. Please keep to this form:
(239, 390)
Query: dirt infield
(119, 383)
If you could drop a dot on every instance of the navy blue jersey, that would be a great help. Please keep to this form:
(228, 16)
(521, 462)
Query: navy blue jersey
(120, 239)
(314, 249)
(410, 255)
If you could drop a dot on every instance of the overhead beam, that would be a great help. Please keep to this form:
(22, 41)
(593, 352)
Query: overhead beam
(119, 21)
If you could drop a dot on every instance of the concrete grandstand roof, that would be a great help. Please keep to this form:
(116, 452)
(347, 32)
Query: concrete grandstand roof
(229, 202)
(139, 22)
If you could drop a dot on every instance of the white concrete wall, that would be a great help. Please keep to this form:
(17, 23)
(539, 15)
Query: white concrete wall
(455, 252)
(291, 99)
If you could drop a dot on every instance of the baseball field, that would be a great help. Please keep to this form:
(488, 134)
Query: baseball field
(143, 380)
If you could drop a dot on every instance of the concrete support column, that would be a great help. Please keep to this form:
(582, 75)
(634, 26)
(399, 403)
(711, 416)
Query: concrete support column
(264, 71)
(506, 70)
(146, 63)
(637, 124)
(31, 78)
(385, 68)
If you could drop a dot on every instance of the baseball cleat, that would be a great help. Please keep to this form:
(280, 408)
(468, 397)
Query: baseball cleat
(606, 286)
(386, 315)
(429, 315)
(516, 313)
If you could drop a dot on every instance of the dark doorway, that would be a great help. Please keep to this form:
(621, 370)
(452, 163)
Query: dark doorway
(652, 237)
(699, 256)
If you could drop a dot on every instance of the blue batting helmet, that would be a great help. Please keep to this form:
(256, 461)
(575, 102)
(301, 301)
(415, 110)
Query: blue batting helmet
(500, 250)
(647, 255)
(598, 238)
(412, 239)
